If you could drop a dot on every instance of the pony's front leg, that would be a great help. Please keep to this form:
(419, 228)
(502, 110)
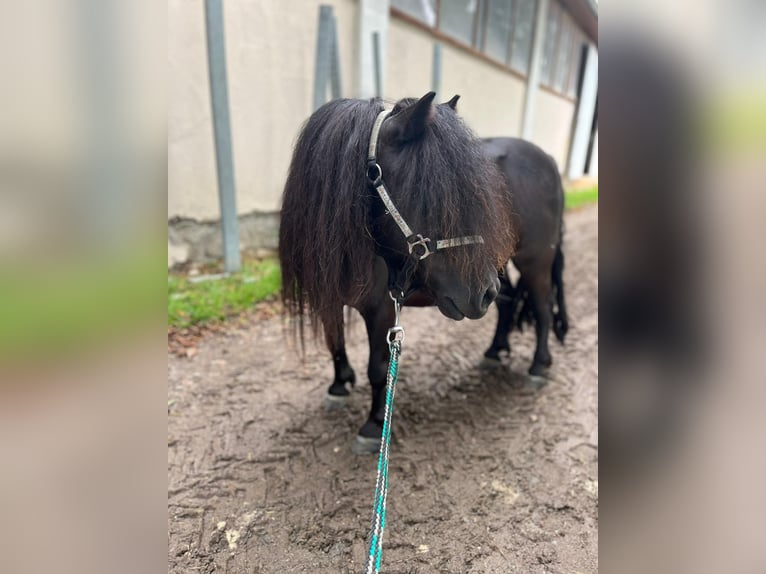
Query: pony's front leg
(338, 393)
(378, 319)
(506, 305)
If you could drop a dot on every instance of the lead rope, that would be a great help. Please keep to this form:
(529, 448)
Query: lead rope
(419, 248)
(395, 339)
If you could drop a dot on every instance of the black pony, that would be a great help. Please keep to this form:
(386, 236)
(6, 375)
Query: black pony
(339, 244)
(538, 297)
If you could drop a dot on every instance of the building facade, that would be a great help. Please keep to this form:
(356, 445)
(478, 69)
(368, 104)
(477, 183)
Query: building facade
(525, 68)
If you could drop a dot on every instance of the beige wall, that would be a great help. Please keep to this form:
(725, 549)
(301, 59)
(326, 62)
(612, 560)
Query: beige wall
(553, 125)
(191, 163)
(491, 99)
(270, 64)
(270, 59)
(408, 61)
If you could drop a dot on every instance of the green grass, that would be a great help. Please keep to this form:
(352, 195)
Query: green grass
(66, 306)
(197, 302)
(577, 198)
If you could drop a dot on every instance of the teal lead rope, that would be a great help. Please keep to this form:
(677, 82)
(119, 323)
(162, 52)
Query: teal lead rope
(395, 339)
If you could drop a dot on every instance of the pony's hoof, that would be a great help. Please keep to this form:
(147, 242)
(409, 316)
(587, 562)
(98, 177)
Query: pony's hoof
(365, 445)
(335, 402)
(536, 379)
(538, 375)
(490, 363)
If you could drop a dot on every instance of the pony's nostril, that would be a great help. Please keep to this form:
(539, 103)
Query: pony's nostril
(489, 296)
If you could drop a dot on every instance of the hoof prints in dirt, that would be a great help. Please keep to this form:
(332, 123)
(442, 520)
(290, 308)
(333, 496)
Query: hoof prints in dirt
(489, 472)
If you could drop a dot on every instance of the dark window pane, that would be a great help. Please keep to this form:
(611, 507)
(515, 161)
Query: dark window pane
(564, 55)
(456, 18)
(423, 10)
(551, 34)
(579, 40)
(499, 29)
(522, 35)
(478, 40)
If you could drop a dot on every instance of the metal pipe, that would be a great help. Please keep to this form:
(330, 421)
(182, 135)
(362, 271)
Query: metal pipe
(377, 64)
(219, 96)
(323, 62)
(335, 75)
(436, 71)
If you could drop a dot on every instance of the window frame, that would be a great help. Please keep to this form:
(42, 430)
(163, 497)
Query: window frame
(477, 48)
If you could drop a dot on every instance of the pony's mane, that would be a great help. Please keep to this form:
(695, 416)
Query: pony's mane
(326, 247)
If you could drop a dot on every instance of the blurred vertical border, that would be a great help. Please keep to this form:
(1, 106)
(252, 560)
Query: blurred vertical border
(682, 110)
(83, 179)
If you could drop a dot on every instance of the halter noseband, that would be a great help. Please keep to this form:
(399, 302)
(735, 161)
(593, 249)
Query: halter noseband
(418, 246)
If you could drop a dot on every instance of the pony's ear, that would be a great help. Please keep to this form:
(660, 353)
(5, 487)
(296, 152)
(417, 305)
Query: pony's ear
(411, 123)
(453, 102)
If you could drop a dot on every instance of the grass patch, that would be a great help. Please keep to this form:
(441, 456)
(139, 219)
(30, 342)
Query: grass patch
(193, 302)
(51, 309)
(577, 198)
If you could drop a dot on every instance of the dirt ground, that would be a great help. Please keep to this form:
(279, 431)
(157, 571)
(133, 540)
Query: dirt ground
(489, 473)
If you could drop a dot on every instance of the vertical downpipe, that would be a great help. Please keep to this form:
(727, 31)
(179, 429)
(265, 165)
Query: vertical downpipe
(219, 96)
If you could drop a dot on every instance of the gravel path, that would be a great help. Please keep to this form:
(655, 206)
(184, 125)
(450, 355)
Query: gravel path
(488, 473)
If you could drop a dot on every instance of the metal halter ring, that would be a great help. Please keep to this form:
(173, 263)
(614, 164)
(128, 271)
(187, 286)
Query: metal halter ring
(374, 180)
(420, 241)
(395, 334)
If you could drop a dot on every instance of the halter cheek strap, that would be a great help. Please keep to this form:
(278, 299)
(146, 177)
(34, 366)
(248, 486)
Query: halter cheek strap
(419, 247)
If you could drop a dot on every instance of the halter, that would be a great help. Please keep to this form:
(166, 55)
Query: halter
(419, 247)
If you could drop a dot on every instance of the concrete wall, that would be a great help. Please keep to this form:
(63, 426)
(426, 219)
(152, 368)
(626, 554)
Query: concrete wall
(270, 59)
(553, 125)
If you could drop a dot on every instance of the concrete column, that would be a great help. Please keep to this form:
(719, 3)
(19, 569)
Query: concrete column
(535, 63)
(373, 17)
(586, 108)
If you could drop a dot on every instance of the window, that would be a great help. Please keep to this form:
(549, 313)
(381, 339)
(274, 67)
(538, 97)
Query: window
(521, 50)
(423, 10)
(564, 56)
(574, 72)
(504, 31)
(561, 52)
(499, 27)
(552, 26)
(457, 19)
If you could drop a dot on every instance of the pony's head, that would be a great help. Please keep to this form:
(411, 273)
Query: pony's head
(445, 188)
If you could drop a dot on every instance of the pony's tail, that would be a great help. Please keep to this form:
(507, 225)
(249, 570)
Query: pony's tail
(560, 319)
(522, 307)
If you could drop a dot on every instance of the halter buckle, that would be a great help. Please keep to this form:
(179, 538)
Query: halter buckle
(418, 241)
